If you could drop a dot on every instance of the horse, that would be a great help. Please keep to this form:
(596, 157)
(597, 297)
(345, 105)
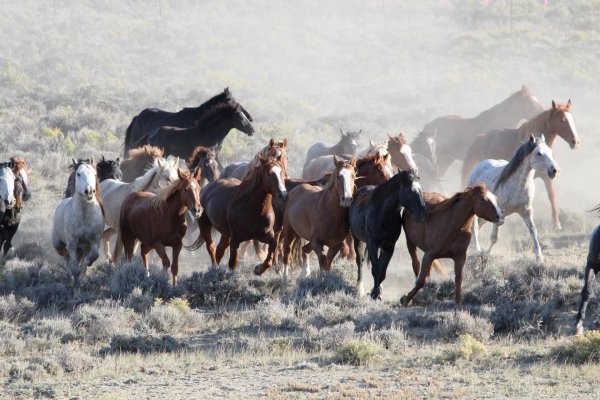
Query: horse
(158, 220)
(501, 144)
(512, 183)
(210, 130)
(113, 194)
(206, 159)
(152, 118)
(446, 232)
(592, 267)
(373, 148)
(401, 153)
(241, 211)
(105, 169)
(375, 219)
(346, 145)
(78, 224)
(140, 159)
(371, 170)
(455, 134)
(319, 215)
(7, 187)
(11, 218)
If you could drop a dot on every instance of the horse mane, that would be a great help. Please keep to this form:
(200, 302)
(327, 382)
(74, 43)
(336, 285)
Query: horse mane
(524, 150)
(445, 205)
(213, 113)
(251, 179)
(159, 201)
(80, 161)
(267, 152)
(146, 151)
(381, 192)
(198, 153)
(369, 159)
(400, 139)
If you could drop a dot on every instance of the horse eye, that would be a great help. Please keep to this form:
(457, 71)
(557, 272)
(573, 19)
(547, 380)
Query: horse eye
(539, 153)
(78, 174)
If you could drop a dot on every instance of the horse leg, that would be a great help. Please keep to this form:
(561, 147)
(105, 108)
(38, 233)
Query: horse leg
(373, 250)
(475, 235)
(585, 296)
(162, 253)
(412, 251)
(493, 238)
(144, 250)
(420, 282)
(221, 247)
(106, 236)
(331, 253)
(205, 232)
(549, 183)
(349, 241)
(258, 249)
(358, 245)
(288, 236)
(73, 264)
(233, 253)
(175, 264)
(269, 239)
(243, 249)
(317, 247)
(385, 255)
(527, 216)
(459, 263)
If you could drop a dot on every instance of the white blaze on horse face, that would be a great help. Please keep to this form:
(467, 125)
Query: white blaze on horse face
(277, 171)
(7, 187)
(406, 152)
(494, 200)
(85, 181)
(571, 122)
(346, 175)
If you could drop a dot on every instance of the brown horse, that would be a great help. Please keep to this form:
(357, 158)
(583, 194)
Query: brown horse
(241, 211)
(455, 134)
(502, 144)
(319, 215)
(371, 170)
(446, 233)
(158, 220)
(139, 161)
(206, 159)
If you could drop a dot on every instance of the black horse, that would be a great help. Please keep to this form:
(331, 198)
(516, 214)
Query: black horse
(11, 218)
(346, 145)
(209, 131)
(105, 169)
(152, 118)
(592, 267)
(375, 219)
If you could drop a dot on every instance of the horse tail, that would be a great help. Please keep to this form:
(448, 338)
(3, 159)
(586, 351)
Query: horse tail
(438, 268)
(296, 251)
(471, 159)
(198, 242)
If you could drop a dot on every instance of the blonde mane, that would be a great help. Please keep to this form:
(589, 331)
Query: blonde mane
(146, 151)
(159, 201)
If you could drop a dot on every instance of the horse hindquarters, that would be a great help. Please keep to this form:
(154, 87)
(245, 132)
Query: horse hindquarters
(591, 269)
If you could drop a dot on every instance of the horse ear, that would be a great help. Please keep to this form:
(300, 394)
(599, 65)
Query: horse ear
(118, 160)
(568, 105)
(353, 161)
(180, 174)
(73, 161)
(386, 157)
(102, 159)
(371, 143)
(92, 160)
(335, 160)
(532, 138)
(553, 105)
(524, 89)
(543, 138)
(272, 143)
(284, 143)
(360, 131)
(197, 173)
(377, 158)
(342, 132)
(226, 91)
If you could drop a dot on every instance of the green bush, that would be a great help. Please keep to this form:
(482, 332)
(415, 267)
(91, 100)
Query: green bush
(357, 352)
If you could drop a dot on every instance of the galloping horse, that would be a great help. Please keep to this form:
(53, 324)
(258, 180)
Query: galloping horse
(241, 211)
(446, 232)
(152, 118)
(139, 161)
(346, 145)
(319, 215)
(78, 223)
(113, 194)
(455, 134)
(206, 159)
(158, 220)
(375, 219)
(502, 144)
(105, 169)
(7, 187)
(592, 267)
(11, 218)
(512, 183)
(210, 130)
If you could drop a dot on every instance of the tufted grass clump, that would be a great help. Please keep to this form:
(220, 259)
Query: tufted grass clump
(173, 317)
(357, 352)
(460, 323)
(467, 348)
(581, 349)
(16, 310)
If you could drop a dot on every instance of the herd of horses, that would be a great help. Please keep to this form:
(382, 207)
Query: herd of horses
(348, 202)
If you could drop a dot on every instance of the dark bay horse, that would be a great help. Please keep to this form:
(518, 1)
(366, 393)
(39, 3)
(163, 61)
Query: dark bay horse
(152, 118)
(140, 159)
(241, 211)
(158, 220)
(105, 169)
(11, 218)
(446, 233)
(455, 134)
(209, 131)
(502, 144)
(319, 215)
(592, 267)
(206, 159)
(375, 219)
(346, 145)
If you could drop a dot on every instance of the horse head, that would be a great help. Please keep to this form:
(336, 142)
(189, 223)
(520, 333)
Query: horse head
(562, 124)
(241, 120)
(206, 159)
(7, 187)
(541, 157)
(272, 175)
(485, 204)
(342, 180)
(401, 153)
(167, 172)
(20, 170)
(410, 194)
(109, 169)
(374, 169)
(86, 181)
(189, 190)
(349, 141)
(377, 148)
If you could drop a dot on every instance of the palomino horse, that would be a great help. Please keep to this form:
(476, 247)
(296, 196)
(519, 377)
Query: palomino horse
(11, 218)
(375, 219)
(241, 211)
(401, 153)
(319, 215)
(502, 144)
(152, 118)
(158, 220)
(113, 194)
(446, 232)
(206, 159)
(346, 145)
(78, 224)
(455, 134)
(210, 130)
(139, 161)
(105, 169)
(592, 267)
(512, 183)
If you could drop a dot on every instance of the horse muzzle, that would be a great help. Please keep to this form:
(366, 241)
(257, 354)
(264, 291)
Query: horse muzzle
(574, 144)
(196, 212)
(553, 172)
(283, 194)
(89, 193)
(346, 201)
(499, 220)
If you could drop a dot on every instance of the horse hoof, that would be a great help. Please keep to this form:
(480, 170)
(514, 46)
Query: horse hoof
(558, 227)
(260, 269)
(405, 301)
(579, 329)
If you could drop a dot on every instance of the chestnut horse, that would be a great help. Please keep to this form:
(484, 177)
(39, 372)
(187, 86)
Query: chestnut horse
(158, 220)
(455, 134)
(241, 211)
(319, 215)
(446, 233)
(502, 144)
(375, 219)
(139, 161)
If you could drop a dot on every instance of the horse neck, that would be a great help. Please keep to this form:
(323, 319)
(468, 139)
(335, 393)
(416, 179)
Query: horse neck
(389, 192)
(217, 129)
(521, 176)
(259, 198)
(174, 206)
(81, 205)
(538, 124)
(461, 215)
(337, 148)
(332, 200)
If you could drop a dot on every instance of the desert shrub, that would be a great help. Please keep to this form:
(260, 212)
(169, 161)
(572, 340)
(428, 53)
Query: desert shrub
(49, 328)
(12, 347)
(357, 352)
(138, 300)
(274, 313)
(459, 323)
(392, 338)
(280, 345)
(468, 347)
(580, 349)
(99, 322)
(173, 317)
(327, 308)
(129, 276)
(330, 282)
(525, 317)
(375, 315)
(328, 338)
(16, 310)
(143, 344)
(72, 358)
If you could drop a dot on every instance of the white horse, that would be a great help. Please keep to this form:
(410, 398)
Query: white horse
(78, 224)
(113, 192)
(7, 187)
(512, 182)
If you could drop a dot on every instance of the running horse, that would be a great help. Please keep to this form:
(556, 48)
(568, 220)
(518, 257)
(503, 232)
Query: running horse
(455, 134)
(105, 169)
(446, 233)
(502, 144)
(242, 211)
(11, 218)
(592, 267)
(158, 220)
